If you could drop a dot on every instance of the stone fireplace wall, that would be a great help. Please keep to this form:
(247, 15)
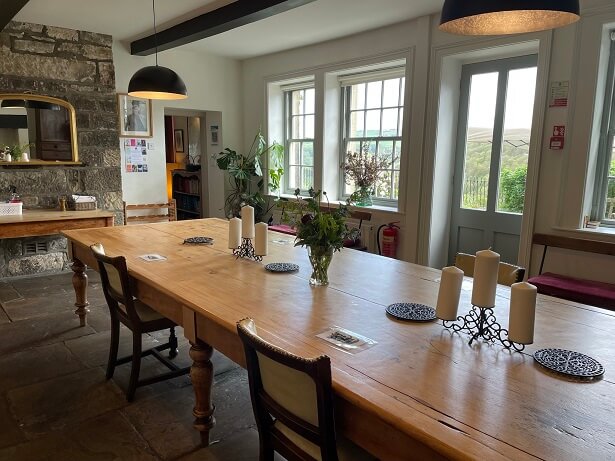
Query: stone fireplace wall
(76, 66)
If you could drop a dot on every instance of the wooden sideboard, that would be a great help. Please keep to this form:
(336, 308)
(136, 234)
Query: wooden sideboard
(33, 223)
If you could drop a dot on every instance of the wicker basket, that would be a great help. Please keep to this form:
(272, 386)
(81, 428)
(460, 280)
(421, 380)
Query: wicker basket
(83, 206)
(10, 209)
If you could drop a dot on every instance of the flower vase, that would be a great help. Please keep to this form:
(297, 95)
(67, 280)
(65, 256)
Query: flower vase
(364, 197)
(320, 258)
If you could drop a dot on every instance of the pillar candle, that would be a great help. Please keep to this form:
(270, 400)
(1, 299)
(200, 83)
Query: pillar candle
(261, 245)
(247, 222)
(234, 233)
(522, 313)
(485, 278)
(448, 295)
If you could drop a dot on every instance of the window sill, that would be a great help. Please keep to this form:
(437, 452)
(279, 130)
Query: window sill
(607, 233)
(335, 203)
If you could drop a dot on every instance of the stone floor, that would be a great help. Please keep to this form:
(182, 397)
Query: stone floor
(55, 403)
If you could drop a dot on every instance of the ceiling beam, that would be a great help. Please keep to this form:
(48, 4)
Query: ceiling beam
(8, 11)
(228, 17)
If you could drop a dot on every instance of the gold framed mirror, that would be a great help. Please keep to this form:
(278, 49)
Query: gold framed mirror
(37, 130)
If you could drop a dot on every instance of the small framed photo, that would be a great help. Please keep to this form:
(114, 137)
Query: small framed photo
(135, 116)
(179, 140)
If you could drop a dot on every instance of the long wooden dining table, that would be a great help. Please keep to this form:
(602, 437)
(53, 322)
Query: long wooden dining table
(421, 392)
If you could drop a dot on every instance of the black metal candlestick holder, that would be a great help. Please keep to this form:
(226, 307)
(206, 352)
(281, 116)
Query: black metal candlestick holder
(482, 323)
(246, 250)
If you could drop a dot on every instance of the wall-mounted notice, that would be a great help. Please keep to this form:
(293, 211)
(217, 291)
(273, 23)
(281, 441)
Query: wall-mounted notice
(214, 134)
(135, 155)
(558, 94)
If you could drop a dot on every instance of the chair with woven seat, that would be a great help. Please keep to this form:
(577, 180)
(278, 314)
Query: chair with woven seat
(292, 399)
(507, 273)
(138, 317)
(169, 215)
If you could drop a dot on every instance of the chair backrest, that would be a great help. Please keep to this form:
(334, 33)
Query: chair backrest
(115, 283)
(170, 215)
(294, 390)
(507, 273)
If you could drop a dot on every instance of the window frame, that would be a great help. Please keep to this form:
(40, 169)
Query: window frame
(346, 83)
(606, 145)
(287, 92)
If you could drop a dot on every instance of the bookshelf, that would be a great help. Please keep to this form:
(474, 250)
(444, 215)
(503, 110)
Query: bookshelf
(187, 194)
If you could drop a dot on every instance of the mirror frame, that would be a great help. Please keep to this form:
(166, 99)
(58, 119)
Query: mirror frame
(73, 127)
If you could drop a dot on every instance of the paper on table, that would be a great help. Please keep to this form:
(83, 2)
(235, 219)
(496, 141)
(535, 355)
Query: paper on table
(153, 257)
(346, 340)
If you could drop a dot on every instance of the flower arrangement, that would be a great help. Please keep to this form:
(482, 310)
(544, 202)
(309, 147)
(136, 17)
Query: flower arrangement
(362, 169)
(321, 229)
(316, 225)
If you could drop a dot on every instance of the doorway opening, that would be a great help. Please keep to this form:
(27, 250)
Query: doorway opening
(492, 152)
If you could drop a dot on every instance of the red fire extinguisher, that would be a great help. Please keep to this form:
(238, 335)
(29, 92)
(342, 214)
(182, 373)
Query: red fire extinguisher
(389, 239)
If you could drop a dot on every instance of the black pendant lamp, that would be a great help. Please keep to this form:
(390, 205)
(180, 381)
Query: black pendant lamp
(502, 17)
(157, 82)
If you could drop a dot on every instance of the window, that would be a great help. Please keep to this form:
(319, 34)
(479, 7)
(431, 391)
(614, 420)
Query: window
(603, 208)
(372, 117)
(299, 139)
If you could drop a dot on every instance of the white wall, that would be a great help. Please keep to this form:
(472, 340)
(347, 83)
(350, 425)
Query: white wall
(558, 177)
(213, 84)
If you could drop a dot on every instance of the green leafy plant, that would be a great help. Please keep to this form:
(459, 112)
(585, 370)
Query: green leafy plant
(276, 170)
(513, 189)
(246, 176)
(17, 151)
(318, 227)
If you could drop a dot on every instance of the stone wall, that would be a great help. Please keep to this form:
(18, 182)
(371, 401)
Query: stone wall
(76, 66)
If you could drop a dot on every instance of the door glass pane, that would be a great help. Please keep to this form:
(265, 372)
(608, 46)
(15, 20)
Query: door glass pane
(516, 139)
(479, 139)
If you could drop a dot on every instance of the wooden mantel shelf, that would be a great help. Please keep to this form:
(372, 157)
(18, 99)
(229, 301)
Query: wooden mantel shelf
(34, 223)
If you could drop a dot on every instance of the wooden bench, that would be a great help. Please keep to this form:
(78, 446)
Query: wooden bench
(598, 294)
(358, 215)
(170, 215)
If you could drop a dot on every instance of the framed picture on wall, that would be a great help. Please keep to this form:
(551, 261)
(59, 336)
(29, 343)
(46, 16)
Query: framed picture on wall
(178, 136)
(135, 116)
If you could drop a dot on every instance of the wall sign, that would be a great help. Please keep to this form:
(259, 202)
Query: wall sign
(558, 137)
(558, 94)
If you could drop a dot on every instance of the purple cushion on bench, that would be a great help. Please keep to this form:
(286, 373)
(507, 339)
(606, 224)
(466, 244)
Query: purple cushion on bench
(284, 229)
(583, 291)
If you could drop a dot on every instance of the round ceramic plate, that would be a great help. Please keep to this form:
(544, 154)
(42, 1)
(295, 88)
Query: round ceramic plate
(199, 240)
(569, 363)
(282, 267)
(413, 312)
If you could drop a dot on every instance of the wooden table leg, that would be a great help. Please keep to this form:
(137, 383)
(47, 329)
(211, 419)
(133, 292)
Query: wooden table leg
(80, 284)
(202, 376)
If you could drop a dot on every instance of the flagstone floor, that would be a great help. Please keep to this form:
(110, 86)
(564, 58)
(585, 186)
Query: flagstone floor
(55, 403)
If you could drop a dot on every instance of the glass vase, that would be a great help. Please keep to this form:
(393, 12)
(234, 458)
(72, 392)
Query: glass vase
(320, 258)
(364, 197)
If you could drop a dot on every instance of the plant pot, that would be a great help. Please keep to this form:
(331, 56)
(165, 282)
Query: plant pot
(320, 258)
(364, 197)
(192, 167)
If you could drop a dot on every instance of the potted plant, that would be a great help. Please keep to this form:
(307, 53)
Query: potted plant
(246, 177)
(361, 170)
(321, 229)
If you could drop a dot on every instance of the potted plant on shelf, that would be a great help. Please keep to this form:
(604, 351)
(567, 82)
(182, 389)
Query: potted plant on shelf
(361, 169)
(321, 229)
(246, 177)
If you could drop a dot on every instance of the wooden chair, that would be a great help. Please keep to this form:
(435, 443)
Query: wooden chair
(170, 215)
(292, 401)
(507, 273)
(138, 317)
(360, 216)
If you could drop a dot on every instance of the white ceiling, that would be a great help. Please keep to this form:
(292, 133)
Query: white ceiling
(315, 22)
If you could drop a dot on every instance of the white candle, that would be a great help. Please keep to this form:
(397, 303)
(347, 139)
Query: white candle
(522, 313)
(261, 245)
(247, 222)
(448, 295)
(485, 278)
(234, 233)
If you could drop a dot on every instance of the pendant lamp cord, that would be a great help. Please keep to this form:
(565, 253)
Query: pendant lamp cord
(155, 32)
